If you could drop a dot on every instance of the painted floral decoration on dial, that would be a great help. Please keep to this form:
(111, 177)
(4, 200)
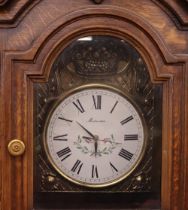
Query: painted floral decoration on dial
(106, 145)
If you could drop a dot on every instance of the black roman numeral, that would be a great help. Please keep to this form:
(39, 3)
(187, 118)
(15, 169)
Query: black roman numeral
(65, 153)
(113, 167)
(126, 120)
(77, 166)
(94, 172)
(130, 137)
(125, 154)
(97, 101)
(79, 106)
(62, 118)
(60, 138)
(114, 107)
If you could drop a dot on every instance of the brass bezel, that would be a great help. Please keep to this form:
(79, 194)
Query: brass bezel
(90, 86)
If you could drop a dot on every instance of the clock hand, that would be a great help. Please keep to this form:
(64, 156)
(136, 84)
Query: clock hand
(88, 139)
(96, 146)
(86, 130)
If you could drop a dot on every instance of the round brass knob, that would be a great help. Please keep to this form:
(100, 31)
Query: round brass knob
(16, 147)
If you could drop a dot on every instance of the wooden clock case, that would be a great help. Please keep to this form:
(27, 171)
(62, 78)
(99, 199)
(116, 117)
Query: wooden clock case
(32, 34)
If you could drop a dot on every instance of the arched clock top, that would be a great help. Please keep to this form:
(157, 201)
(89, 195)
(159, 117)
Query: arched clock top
(122, 25)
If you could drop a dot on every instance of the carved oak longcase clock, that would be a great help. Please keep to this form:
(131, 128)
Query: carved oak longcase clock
(94, 104)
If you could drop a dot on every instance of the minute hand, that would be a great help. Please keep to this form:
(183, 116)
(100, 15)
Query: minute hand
(86, 130)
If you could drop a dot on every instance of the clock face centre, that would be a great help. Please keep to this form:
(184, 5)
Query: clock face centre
(94, 136)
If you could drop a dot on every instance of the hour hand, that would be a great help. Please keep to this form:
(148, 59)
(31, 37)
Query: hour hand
(88, 138)
(86, 130)
(96, 146)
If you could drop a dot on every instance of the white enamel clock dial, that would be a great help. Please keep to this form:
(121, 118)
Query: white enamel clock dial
(94, 136)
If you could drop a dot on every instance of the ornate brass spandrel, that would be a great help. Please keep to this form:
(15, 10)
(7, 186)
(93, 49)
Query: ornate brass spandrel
(134, 80)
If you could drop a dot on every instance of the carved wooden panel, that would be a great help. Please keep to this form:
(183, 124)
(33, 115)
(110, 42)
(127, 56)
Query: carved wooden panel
(33, 33)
